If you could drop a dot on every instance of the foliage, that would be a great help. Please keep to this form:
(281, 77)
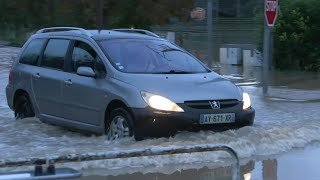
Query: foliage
(259, 16)
(144, 13)
(25, 16)
(297, 36)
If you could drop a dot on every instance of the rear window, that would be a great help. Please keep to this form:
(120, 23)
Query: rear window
(55, 53)
(32, 52)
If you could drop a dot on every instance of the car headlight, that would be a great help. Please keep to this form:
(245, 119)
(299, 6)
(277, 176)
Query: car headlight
(247, 176)
(246, 101)
(160, 103)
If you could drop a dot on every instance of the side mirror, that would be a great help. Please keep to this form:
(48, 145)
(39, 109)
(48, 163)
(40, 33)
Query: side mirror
(86, 71)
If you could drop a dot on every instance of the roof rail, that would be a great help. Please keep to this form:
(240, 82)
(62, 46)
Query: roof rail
(56, 29)
(141, 31)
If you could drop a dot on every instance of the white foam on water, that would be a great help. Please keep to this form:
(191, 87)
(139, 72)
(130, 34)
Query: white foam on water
(31, 138)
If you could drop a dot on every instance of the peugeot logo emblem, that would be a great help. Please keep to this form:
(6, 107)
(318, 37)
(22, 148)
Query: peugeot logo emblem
(214, 104)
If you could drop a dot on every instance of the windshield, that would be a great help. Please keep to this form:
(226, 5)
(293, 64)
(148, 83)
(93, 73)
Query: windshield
(151, 57)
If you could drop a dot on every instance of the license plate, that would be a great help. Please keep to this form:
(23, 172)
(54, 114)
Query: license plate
(217, 118)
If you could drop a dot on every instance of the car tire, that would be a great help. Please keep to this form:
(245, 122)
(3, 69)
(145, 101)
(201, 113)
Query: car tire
(119, 124)
(23, 107)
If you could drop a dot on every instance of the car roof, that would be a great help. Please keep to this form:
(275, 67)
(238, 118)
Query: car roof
(97, 34)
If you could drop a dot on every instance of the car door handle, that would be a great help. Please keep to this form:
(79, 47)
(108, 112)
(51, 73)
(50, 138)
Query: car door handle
(68, 82)
(37, 75)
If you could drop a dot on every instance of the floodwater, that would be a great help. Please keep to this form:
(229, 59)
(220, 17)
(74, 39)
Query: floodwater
(299, 164)
(287, 119)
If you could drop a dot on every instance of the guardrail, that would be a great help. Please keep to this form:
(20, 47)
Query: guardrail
(129, 154)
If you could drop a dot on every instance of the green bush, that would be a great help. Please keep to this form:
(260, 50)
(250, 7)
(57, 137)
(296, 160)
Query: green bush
(296, 36)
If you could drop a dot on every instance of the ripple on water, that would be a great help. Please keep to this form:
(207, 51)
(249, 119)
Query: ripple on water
(32, 138)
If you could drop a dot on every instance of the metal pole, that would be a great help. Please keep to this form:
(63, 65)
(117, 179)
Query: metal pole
(100, 14)
(217, 7)
(210, 36)
(271, 50)
(238, 8)
(266, 58)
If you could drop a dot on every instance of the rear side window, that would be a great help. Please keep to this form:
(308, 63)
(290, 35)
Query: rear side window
(54, 54)
(32, 52)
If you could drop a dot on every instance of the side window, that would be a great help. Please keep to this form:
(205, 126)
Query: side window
(32, 52)
(55, 53)
(85, 55)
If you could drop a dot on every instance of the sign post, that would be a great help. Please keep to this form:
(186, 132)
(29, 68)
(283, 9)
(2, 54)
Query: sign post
(271, 12)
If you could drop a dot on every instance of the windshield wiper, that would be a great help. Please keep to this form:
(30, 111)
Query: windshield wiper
(173, 72)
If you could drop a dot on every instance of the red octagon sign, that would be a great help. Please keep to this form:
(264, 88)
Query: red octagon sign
(271, 11)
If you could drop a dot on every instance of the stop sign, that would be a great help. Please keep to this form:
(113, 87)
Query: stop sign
(271, 11)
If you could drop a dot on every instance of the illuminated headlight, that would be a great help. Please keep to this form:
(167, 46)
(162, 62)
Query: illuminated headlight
(160, 103)
(247, 176)
(246, 101)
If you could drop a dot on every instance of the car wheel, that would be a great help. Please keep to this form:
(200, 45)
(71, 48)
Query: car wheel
(23, 107)
(120, 124)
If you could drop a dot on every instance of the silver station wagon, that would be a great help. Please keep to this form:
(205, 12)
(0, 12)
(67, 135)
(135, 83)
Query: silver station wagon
(121, 82)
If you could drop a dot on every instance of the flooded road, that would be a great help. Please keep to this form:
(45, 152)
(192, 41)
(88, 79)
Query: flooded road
(296, 165)
(287, 119)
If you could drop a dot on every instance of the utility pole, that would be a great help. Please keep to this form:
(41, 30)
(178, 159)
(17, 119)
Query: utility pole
(210, 33)
(99, 22)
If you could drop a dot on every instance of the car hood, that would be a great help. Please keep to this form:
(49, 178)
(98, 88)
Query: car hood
(184, 87)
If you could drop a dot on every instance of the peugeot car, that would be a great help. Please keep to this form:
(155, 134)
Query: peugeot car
(121, 82)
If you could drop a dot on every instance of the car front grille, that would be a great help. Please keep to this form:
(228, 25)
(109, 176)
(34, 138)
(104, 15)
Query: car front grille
(206, 105)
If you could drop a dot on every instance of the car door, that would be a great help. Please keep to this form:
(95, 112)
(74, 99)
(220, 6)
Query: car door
(84, 97)
(47, 79)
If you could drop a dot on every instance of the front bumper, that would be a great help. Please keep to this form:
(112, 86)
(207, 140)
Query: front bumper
(150, 122)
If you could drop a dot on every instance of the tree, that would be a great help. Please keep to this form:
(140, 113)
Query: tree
(296, 35)
(24, 16)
